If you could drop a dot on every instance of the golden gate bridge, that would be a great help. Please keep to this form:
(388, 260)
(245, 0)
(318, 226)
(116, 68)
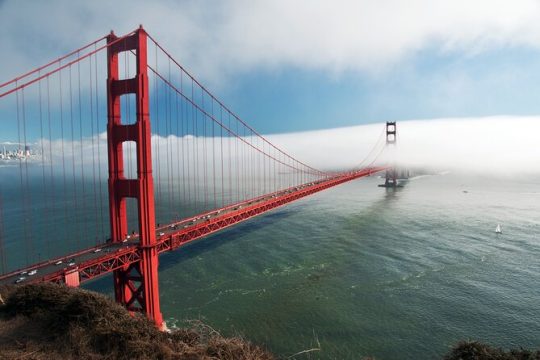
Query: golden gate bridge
(125, 156)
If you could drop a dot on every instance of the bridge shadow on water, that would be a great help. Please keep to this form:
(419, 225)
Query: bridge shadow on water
(223, 237)
(204, 245)
(212, 242)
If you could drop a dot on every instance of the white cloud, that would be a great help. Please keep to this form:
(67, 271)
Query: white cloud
(502, 145)
(216, 39)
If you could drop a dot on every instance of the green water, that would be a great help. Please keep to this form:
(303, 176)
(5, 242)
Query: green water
(365, 271)
(355, 270)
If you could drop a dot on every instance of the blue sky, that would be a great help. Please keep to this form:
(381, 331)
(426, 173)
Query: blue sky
(295, 66)
(427, 85)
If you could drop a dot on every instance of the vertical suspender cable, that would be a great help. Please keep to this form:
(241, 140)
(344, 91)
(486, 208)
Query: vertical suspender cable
(27, 195)
(46, 216)
(184, 132)
(204, 162)
(169, 148)
(214, 155)
(237, 161)
(195, 151)
(188, 138)
(178, 155)
(83, 178)
(74, 179)
(93, 137)
(64, 181)
(53, 192)
(221, 141)
(101, 193)
(27, 250)
(229, 154)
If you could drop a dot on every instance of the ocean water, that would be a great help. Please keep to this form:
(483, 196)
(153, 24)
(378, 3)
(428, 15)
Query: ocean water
(359, 270)
(353, 271)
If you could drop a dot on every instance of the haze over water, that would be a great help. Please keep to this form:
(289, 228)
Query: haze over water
(352, 271)
(399, 274)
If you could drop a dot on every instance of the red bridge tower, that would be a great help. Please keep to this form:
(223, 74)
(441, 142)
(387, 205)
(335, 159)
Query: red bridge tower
(136, 285)
(391, 173)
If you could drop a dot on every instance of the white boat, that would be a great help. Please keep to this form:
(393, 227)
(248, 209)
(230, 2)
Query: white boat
(498, 229)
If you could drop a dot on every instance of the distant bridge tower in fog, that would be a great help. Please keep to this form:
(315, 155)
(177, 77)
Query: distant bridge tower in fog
(391, 172)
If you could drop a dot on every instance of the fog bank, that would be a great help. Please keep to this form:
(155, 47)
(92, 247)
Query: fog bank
(499, 145)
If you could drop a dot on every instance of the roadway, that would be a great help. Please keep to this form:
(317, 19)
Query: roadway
(104, 258)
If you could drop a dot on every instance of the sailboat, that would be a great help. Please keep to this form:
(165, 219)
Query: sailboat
(498, 229)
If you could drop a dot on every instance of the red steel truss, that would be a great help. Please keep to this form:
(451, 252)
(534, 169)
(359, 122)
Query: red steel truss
(127, 256)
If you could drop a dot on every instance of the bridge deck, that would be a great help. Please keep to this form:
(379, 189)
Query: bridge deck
(96, 261)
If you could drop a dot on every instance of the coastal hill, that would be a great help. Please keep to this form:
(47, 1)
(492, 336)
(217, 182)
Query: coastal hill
(50, 321)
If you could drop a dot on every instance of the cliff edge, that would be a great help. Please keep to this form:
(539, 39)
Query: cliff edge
(49, 321)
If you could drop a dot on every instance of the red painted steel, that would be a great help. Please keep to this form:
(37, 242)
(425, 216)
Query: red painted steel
(130, 253)
(135, 283)
(242, 212)
(57, 69)
(134, 263)
(72, 278)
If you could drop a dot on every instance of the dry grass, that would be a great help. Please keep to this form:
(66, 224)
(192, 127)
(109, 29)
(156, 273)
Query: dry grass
(473, 350)
(48, 321)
